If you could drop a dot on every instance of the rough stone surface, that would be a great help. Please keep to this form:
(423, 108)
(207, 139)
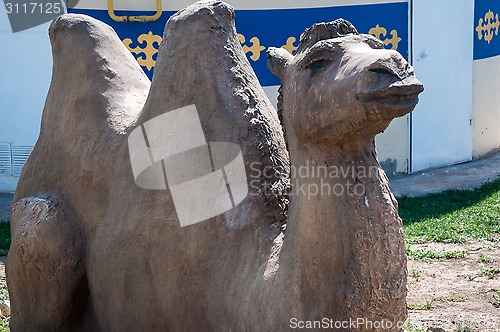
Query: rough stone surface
(115, 256)
(338, 91)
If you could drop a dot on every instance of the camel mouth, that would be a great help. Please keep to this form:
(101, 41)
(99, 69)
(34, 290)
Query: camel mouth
(396, 98)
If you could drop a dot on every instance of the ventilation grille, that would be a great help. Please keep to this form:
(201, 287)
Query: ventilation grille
(12, 158)
(20, 154)
(5, 160)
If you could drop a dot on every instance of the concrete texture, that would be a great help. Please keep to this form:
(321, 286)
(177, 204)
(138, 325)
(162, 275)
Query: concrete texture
(195, 278)
(463, 176)
(106, 245)
(88, 244)
(338, 91)
(104, 92)
(468, 175)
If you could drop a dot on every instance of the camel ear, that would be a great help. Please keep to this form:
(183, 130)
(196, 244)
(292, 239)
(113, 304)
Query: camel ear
(278, 58)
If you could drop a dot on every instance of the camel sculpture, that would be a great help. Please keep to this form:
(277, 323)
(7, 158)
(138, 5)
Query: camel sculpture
(92, 251)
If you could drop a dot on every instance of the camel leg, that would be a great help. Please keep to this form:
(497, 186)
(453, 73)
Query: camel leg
(45, 266)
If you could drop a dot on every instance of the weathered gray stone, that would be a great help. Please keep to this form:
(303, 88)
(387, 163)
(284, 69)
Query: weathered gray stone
(339, 91)
(102, 246)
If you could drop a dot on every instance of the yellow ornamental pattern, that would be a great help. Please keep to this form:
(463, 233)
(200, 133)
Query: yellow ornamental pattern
(488, 27)
(256, 48)
(381, 33)
(148, 50)
(290, 45)
(149, 43)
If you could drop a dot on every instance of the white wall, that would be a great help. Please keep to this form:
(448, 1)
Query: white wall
(25, 72)
(486, 106)
(443, 61)
(392, 147)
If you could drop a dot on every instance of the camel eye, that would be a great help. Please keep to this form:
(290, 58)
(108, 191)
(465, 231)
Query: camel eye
(321, 55)
(318, 64)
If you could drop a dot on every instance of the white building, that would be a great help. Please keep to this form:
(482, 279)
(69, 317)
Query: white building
(453, 45)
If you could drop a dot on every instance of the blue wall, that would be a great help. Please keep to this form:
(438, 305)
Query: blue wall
(274, 27)
(486, 29)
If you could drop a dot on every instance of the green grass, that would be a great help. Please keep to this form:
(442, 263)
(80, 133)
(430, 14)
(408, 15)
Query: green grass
(429, 255)
(409, 327)
(485, 259)
(495, 296)
(4, 326)
(4, 295)
(496, 299)
(5, 238)
(452, 298)
(416, 274)
(489, 272)
(464, 328)
(457, 298)
(453, 216)
(420, 306)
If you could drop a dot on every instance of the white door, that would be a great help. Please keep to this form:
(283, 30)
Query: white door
(441, 125)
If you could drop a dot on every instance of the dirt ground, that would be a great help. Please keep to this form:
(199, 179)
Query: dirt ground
(459, 293)
(451, 294)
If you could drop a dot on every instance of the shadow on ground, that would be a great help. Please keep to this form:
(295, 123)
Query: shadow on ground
(415, 209)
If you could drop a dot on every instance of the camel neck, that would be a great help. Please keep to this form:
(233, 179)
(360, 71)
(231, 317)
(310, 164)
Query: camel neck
(332, 189)
(343, 216)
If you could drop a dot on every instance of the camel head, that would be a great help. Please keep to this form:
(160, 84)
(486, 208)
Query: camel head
(341, 86)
